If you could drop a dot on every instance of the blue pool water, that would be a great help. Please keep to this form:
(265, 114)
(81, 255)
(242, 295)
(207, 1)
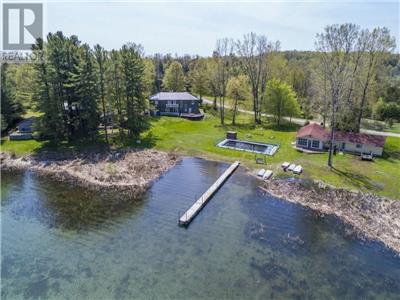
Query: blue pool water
(261, 148)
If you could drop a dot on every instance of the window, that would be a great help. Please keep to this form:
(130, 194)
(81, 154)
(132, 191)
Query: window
(302, 142)
(315, 144)
(358, 146)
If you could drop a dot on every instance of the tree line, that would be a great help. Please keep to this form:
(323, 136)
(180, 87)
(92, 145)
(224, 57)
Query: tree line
(352, 74)
(74, 87)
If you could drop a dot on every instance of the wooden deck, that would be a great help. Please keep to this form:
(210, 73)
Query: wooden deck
(189, 215)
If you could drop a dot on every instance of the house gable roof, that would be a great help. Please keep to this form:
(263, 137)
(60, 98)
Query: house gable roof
(360, 138)
(173, 96)
(314, 130)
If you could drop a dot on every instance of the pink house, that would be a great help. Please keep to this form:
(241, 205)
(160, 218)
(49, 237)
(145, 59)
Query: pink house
(315, 137)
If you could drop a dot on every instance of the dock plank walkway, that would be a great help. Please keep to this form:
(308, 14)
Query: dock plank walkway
(189, 215)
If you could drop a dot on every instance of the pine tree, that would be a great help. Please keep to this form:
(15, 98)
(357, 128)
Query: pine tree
(87, 92)
(133, 70)
(115, 90)
(51, 123)
(11, 109)
(101, 58)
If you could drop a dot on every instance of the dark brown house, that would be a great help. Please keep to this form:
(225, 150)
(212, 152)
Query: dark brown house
(179, 104)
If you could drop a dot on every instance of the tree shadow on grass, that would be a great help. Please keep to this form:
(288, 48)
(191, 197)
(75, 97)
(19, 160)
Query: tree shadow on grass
(70, 148)
(284, 127)
(84, 146)
(239, 126)
(146, 141)
(356, 179)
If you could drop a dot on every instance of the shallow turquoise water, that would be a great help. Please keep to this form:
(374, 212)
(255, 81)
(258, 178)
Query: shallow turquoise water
(60, 242)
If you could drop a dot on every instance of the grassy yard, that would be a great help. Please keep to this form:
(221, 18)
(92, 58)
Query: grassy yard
(365, 123)
(245, 104)
(20, 147)
(198, 138)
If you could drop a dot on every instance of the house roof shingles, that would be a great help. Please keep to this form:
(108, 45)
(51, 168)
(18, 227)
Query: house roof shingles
(360, 138)
(318, 132)
(314, 130)
(173, 96)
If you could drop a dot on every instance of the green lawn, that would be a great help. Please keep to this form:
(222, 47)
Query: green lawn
(365, 123)
(199, 138)
(245, 104)
(20, 147)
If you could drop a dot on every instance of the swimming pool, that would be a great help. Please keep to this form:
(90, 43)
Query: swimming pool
(255, 147)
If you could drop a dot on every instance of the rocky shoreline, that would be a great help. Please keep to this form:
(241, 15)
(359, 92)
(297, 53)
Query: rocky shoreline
(123, 171)
(372, 217)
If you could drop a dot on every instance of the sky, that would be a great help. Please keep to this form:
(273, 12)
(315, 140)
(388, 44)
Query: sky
(180, 27)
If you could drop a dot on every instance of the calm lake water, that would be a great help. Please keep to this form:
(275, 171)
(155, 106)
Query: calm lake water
(60, 242)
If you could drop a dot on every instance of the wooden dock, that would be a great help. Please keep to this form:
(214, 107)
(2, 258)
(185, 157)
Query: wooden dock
(189, 215)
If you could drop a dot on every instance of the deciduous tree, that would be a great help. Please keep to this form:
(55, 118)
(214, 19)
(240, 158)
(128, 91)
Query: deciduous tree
(253, 53)
(222, 55)
(238, 90)
(174, 80)
(336, 44)
(281, 100)
(200, 78)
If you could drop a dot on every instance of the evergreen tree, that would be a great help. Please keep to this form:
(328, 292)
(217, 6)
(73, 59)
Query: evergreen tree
(133, 71)
(87, 92)
(101, 58)
(115, 88)
(51, 123)
(11, 109)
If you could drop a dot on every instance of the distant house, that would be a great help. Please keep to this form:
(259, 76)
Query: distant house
(180, 104)
(24, 130)
(314, 137)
